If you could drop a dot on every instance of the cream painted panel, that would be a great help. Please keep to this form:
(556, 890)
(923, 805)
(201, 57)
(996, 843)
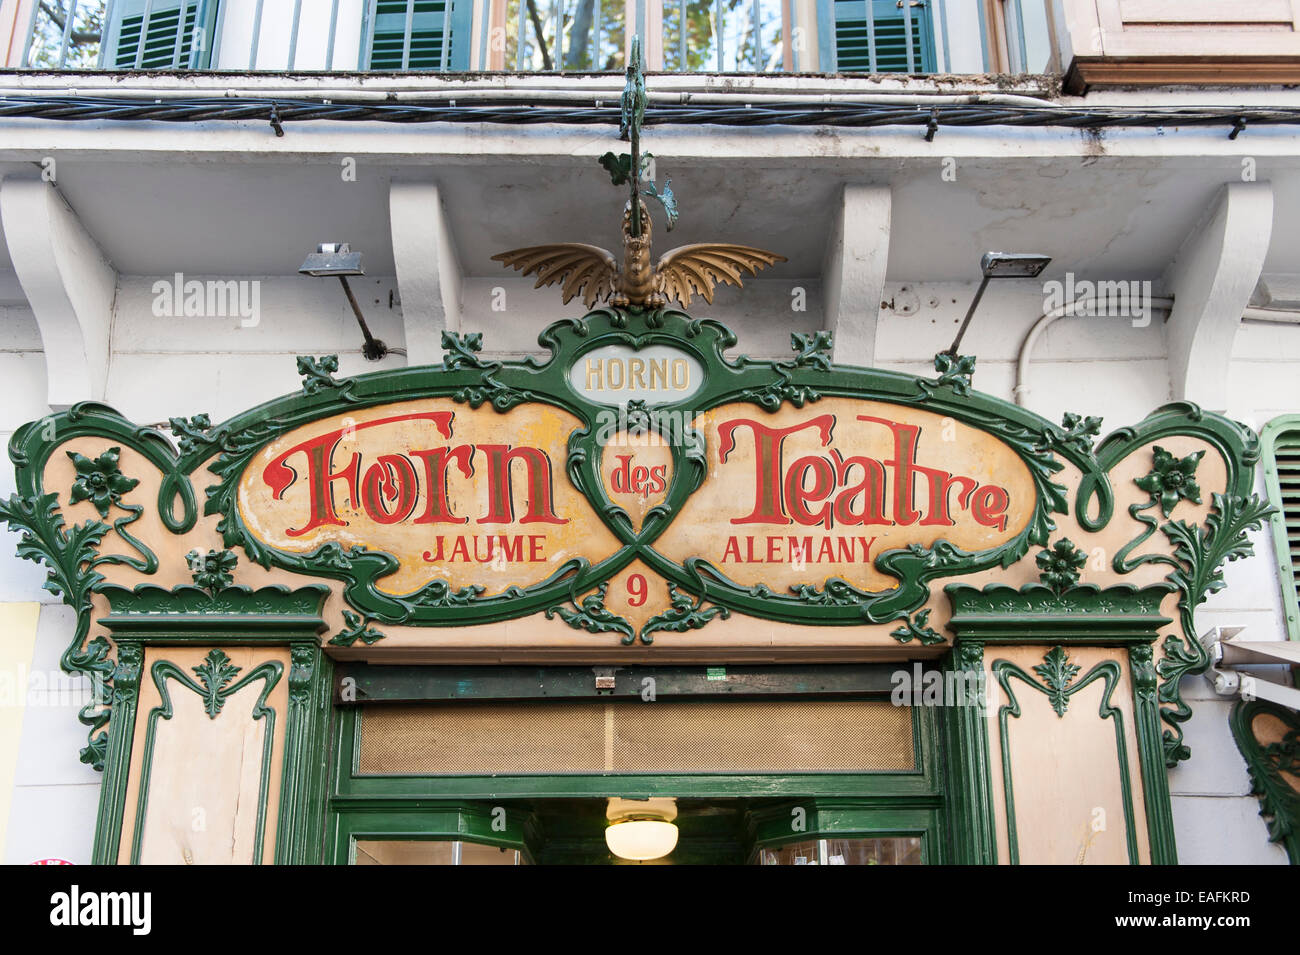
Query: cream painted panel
(1066, 777)
(204, 774)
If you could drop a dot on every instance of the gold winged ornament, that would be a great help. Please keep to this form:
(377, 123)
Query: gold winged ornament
(596, 275)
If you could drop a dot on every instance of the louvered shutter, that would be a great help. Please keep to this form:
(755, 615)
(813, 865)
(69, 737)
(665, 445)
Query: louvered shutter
(851, 35)
(429, 20)
(1286, 464)
(157, 27)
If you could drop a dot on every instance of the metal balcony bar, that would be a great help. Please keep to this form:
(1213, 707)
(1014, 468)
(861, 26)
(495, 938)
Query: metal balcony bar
(144, 32)
(103, 47)
(406, 34)
(293, 31)
(871, 35)
(329, 44)
(181, 14)
(717, 31)
(907, 34)
(446, 35)
(67, 34)
(368, 30)
(866, 35)
(257, 36)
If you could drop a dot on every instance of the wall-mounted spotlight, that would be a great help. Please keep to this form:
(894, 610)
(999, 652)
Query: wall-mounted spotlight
(338, 259)
(1000, 265)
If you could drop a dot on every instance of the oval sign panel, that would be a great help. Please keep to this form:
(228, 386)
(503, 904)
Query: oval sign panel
(471, 496)
(617, 374)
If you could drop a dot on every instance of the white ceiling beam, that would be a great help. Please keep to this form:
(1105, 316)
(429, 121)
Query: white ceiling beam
(68, 282)
(1212, 278)
(853, 275)
(428, 269)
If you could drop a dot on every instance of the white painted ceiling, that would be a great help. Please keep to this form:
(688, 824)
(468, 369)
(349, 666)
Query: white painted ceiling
(1103, 216)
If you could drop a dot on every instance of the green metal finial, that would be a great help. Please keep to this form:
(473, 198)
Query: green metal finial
(633, 99)
(626, 168)
(629, 128)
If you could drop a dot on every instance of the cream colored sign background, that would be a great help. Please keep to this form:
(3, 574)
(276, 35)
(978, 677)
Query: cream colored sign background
(704, 526)
(538, 426)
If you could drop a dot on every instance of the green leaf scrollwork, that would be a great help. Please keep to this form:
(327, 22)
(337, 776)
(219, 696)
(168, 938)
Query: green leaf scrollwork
(462, 352)
(318, 375)
(214, 674)
(592, 615)
(1057, 672)
(955, 371)
(917, 628)
(1199, 555)
(356, 627)
(684, 613)
(70, 555)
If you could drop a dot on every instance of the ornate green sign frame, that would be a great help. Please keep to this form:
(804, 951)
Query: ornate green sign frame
(574, 591)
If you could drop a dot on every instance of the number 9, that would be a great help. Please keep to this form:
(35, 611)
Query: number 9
(637, 590)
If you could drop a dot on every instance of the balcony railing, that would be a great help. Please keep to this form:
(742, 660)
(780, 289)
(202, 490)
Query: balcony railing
(750, 36)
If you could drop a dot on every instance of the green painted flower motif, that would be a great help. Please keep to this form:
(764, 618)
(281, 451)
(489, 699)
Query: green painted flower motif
(954, 366)
(1060, 565)
(955, 371)
(1171, 479)
(212, 571)
(99, 480)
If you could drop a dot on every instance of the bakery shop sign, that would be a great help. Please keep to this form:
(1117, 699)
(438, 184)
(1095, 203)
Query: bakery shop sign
(636, 462)
(500, 498)
(483, 490)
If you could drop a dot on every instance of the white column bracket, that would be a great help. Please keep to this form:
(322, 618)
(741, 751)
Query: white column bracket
(68, 282)
(1212, 278)
(853, 273)
(428, 269)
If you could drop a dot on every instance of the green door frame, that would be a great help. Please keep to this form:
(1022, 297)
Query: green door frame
(843, 805)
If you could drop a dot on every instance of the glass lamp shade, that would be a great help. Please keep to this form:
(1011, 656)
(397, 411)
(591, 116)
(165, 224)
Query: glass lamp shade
(641, 839)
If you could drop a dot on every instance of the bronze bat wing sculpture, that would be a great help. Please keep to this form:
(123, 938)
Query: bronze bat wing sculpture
(595, 274)
(698, 268)
(584, 269)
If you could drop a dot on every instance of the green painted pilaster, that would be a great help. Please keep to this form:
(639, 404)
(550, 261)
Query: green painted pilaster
(1151, 755)
(970, 790)
(303, 788)
(117, 762)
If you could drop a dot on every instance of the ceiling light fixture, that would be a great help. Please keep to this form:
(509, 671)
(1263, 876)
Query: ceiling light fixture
(641, 829)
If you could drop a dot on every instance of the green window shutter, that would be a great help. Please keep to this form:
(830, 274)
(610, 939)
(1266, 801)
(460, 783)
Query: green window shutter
(429, 20)
(1281, 441)
(159, 38)
(852, 49)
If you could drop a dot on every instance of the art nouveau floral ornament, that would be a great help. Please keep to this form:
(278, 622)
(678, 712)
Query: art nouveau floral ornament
(99, 480)
(1172, 479)
(1060, 565)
